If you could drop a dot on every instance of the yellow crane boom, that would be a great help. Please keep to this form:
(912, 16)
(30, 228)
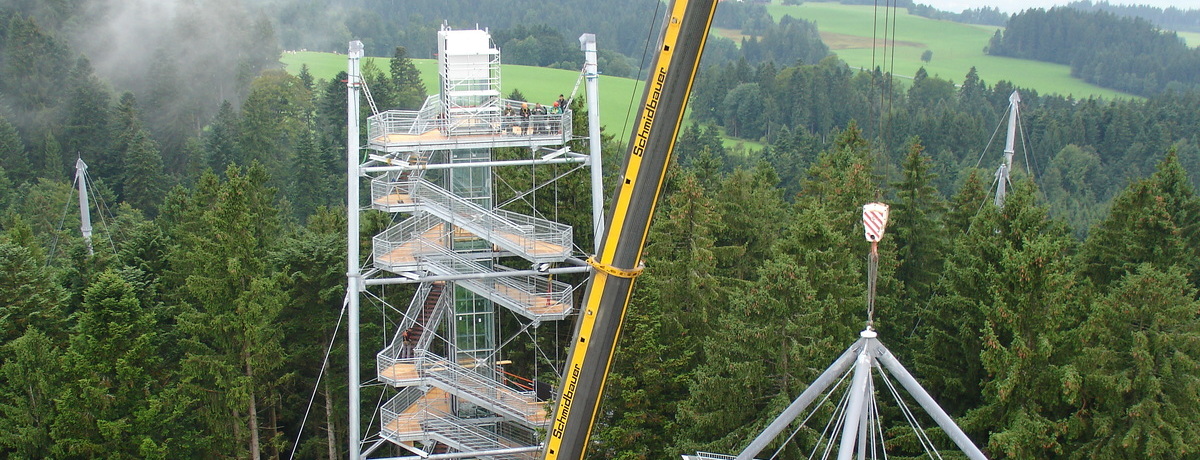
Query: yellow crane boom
(619, 259)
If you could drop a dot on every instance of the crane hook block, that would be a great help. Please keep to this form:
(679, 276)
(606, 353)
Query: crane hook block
(875, 218)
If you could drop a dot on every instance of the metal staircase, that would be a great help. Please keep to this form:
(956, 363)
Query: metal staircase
(534, 239)
(463, 382)
(416, 416)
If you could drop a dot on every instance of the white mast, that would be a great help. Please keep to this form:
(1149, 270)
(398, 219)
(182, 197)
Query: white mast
(1003, 174)
(85, 215)
(354, 280)
(588, 43)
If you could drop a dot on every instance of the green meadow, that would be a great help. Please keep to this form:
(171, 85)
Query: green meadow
(617, 95)
(1192, 38)
(847, 30)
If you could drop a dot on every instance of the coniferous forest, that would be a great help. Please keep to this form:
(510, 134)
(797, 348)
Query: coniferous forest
(1063, 325)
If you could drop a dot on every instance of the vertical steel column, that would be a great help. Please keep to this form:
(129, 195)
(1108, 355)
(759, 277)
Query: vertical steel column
(619, 259)
(592, 84)
(353, 273)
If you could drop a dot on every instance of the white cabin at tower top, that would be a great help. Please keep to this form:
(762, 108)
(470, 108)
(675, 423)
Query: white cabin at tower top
(468, 111)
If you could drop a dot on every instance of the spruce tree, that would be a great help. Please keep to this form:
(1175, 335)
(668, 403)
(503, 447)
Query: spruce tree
(111, 361)
(1030, 296)
(221, 139)
(30, 382)
(406, 82)
(1154, 221)
(674, 308)
(233, 300)
(1136, 380)
(916, 224)
(144, 181)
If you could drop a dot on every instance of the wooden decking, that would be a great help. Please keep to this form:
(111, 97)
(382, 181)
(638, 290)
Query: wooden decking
(532, 246)
(407, 252)
(394, 199)
(408, 422)
(537, 303)
(400, 371)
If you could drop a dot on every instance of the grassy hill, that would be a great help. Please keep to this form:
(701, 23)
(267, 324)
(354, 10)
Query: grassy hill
(536, 83)
(847, 30)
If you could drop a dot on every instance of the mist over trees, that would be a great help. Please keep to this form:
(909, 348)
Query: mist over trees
(1063, 325)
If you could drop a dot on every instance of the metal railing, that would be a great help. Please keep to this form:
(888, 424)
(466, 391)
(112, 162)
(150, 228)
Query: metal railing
(520, 406)
(470, 385)
(499, 122)
(402, 422)
(534, 297)
(538, 240)
(401, 247)
(395, 353)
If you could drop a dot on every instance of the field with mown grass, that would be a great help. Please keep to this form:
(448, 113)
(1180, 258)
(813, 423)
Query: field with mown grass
(847, 30)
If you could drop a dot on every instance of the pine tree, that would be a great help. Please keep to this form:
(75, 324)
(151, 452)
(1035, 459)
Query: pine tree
(221, 139)
(406, 82)
(917, 224)
(1136, 378)
(30, 381)
(111, 360)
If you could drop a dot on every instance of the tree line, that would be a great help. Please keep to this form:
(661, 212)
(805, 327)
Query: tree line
(1081, 152)
(1124, 53)
(1174, 18)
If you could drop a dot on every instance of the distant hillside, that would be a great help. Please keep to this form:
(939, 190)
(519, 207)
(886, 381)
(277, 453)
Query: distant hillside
(1123, 53)
(1169, 18)
(955, 48)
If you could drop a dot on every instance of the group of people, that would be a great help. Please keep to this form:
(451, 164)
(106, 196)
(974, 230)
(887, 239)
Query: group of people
(529, 122)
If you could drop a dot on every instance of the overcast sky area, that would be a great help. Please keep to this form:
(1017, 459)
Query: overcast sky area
(1013, 6)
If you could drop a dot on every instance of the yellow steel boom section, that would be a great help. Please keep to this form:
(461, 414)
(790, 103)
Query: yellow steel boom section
(619, 260)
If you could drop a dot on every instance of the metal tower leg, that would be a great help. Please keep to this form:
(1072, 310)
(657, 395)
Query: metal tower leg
(801, 403)
(914, 388)
(854, 409)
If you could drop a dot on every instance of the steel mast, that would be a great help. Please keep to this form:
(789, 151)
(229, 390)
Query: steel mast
(85, 215)
(1003, 173)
